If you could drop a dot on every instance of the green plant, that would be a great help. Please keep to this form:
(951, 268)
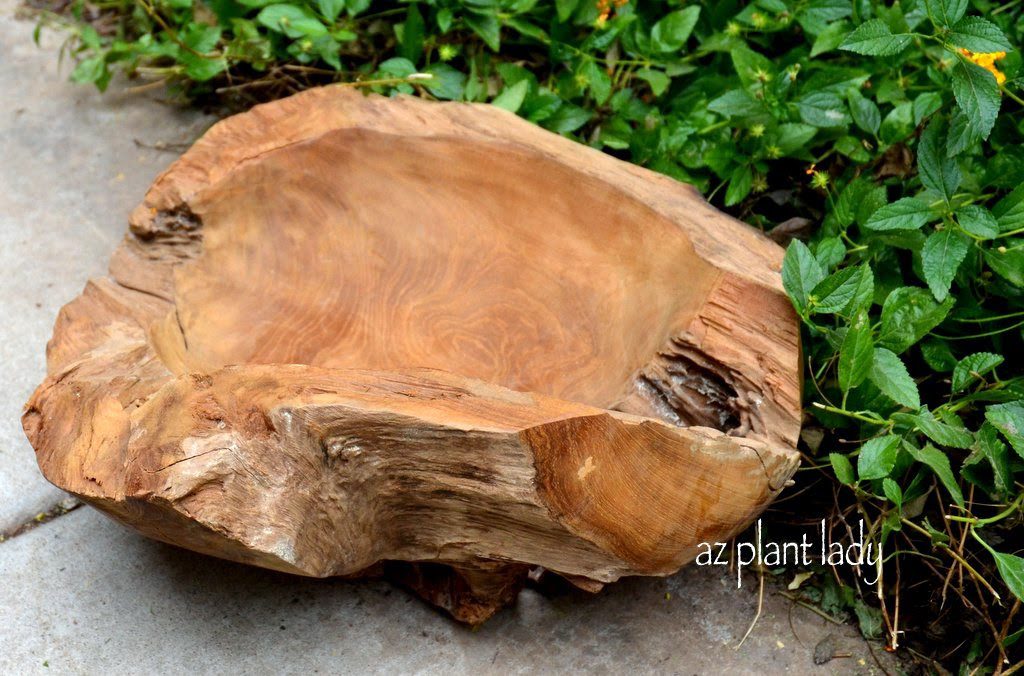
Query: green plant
(890, 138)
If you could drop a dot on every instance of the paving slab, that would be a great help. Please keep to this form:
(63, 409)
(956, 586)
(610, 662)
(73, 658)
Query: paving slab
(71, 171)
(83, 594)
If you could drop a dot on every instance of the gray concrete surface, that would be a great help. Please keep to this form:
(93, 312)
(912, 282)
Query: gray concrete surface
(70, 171)
(89, 596)
(84, 595)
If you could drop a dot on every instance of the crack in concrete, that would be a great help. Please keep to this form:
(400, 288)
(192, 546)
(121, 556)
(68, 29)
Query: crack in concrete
(65, 506)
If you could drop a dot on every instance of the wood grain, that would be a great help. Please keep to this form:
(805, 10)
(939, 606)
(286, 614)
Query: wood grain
(349, 334)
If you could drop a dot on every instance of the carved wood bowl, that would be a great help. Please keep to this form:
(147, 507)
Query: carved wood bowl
(348, 334)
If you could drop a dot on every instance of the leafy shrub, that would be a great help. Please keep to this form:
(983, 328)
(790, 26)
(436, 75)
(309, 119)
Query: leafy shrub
(887, 137)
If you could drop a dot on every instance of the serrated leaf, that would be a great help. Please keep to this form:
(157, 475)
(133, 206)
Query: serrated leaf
(864, 111)
(842, 468)
(978, 221)
(890, 375)
(979, 35)
(977, 94)
(938, 462)
(834, 293)
(1008, 264)
(740, 183)
(823, 109)
(1008, 418)
(1011, 569)
(945, 13)
(874, 38)
(892, 491)
(1009, 211)
(830, 252)
(998, 456)
(864, 294)
(877, 457)
(938, 431)
(937, 171)
(908, 314)
(801, 272)
(856, 354)
(974, 366)
(941, 256)
(905, 214)
(672, 31)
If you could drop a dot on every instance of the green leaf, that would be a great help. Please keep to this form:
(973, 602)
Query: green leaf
(823, 109)
(856, 354)
(793, 137)
(974, 366)
(565, 8)
(938, 462)
(835, 292)
(877, 457)
(200, 68)
(941, 256)
(740, 182)
(672, 31)
(201, 37)
(925, 105)
(945, 13)
(963, 134)
(801, 272)
(830, 252)
(598, 81)
(330, 8)
(751, 67)
(1009, 420)
(938, 172)
(938, 431)
(511, 98)
(892, 491)
(486, 26)
(979, 35)
(998, 456)
(977, 94)
(865, 112)
(874, 38)
(842, 468)
(908, 314)
(656, 79)
(413, 32)
(864, 294)
(94, 70)
(890, 375)
(568, 118)
(1011, 569)
(1009, 211)
(1008, 264)
(447, 83)
(295, 22)
(978, 221)
(908, 213)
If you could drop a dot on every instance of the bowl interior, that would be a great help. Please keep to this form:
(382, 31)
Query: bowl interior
(370, 250)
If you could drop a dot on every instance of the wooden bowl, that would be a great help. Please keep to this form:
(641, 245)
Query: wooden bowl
(348, 334)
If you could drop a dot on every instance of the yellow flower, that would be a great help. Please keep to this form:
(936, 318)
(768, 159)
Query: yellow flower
(987, 60)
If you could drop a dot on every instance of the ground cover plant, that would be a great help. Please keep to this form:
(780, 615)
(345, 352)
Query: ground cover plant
(883, 144)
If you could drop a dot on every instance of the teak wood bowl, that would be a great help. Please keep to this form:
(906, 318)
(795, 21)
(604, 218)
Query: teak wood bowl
(348, 334)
